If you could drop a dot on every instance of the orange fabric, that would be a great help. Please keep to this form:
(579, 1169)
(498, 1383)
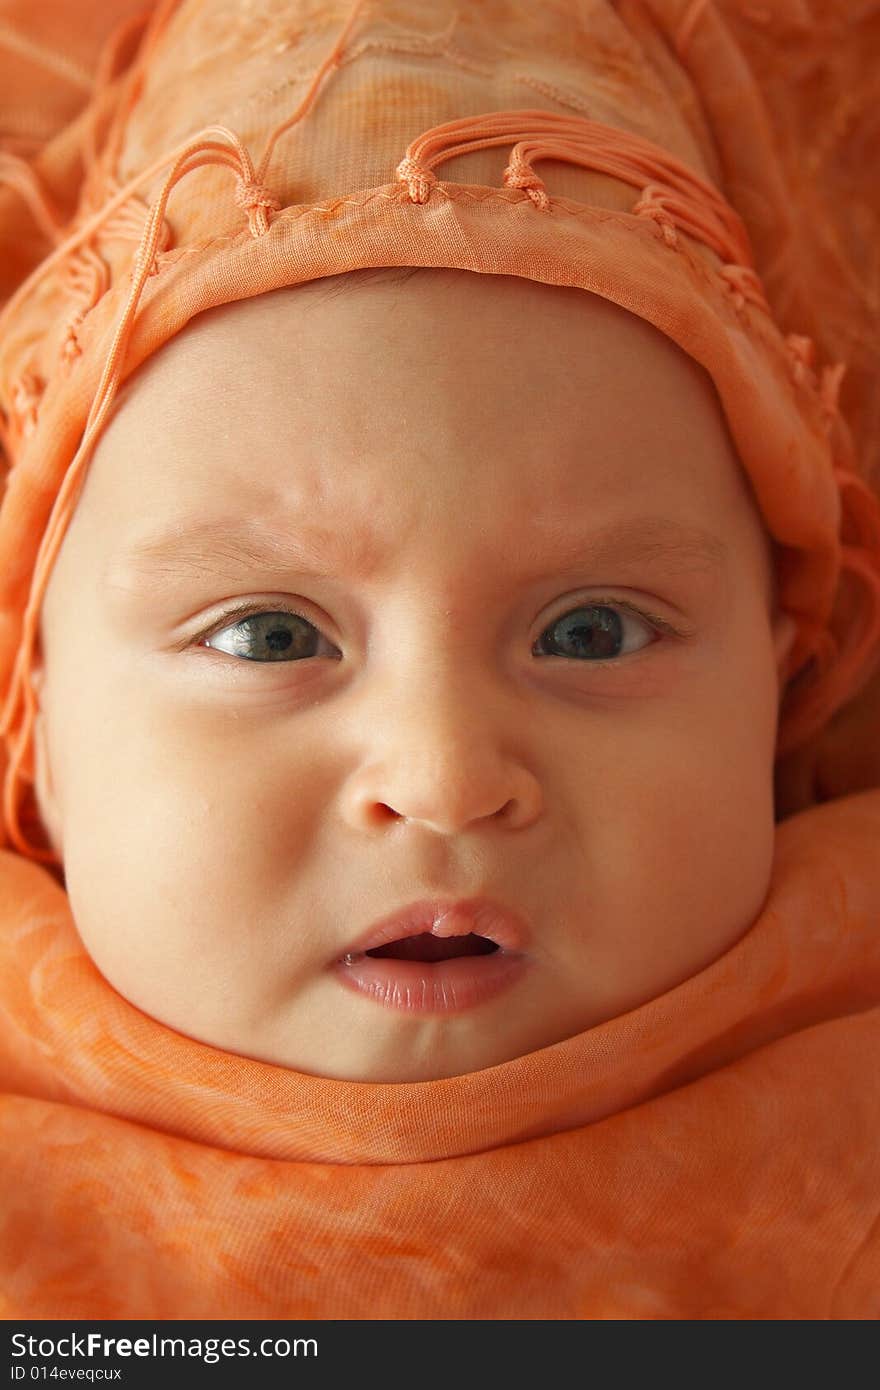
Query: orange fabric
(716, 1152)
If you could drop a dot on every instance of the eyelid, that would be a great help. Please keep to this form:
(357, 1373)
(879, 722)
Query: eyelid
(248, 609)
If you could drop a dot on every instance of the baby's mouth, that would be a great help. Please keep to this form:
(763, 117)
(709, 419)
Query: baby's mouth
(439, 966)
(428, 947)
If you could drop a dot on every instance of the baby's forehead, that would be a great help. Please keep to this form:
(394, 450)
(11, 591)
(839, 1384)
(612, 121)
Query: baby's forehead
(352, 400)
(427, 303)
(513, 354)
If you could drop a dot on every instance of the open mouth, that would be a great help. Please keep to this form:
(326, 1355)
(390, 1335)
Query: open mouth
(428, 973)
(427, 947)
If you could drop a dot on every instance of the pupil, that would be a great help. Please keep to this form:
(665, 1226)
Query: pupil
(278, 640)
(599, 637)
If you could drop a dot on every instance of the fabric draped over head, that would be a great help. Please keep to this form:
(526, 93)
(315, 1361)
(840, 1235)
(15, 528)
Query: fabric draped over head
(627, 149)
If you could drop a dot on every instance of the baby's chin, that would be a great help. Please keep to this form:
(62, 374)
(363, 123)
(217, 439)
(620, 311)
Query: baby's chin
(394, 1062)
(408, 1071)
(397, 1052)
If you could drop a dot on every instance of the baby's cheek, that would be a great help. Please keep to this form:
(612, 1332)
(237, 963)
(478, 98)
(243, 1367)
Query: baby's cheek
(186, 855)
(683, 842)
(161, 903)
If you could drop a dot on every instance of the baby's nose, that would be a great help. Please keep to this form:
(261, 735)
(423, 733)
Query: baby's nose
(443, 754)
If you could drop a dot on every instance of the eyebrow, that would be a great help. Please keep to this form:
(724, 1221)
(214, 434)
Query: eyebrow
(231, 548)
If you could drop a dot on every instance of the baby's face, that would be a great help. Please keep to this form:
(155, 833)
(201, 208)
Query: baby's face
(489, 675)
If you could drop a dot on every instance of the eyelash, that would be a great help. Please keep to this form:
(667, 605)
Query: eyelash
(240, 612)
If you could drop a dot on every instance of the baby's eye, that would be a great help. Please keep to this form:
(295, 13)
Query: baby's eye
(593, 631)
(264, 636)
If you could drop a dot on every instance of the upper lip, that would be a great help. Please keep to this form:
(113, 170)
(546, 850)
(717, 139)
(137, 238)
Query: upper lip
(447, 917)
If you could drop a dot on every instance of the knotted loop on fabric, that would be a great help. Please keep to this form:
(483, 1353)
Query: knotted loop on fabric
(105, 212)
(129, 219)
(419, 180)
(87, 279)
(653, 204)
(802, 358)
(676, 197)
(26, 394)
(257, 201)
(744, 285)
(520, 174)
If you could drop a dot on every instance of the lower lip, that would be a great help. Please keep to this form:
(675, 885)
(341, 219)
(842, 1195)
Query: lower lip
(443, 986)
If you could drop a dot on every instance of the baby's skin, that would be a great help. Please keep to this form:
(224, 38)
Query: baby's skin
(426, 479)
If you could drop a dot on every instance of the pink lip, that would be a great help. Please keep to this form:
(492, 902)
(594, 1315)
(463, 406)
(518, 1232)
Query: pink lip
(444, 985)
(447, 918)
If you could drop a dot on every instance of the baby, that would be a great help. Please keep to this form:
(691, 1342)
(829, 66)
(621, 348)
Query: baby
(429, 523)
(394, 595)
